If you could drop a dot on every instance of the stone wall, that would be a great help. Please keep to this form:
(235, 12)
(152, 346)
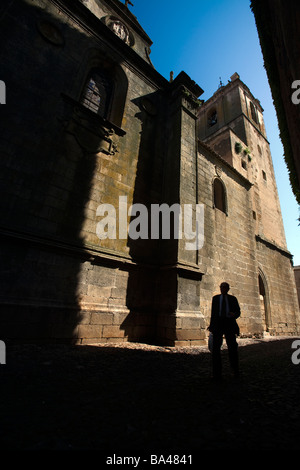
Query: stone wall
(261, 174)
(59, 280)
(282, 305)
(228, 253)
(297, 279)
(243, 124)
(180, 320)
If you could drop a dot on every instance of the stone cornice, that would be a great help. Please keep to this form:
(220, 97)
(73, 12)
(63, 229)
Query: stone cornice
(94, 26)
(223, 162)
(273, 246)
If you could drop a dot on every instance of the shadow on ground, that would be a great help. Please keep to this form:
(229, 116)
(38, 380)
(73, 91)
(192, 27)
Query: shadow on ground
(117, 398)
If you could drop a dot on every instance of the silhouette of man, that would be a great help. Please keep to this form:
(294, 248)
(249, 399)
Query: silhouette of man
(225, 310)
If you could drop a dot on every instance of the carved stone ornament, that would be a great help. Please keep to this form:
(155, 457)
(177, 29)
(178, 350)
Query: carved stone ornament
(50, 32)
(90, 137)
(91, 141)
(92, 133)
(120, 30)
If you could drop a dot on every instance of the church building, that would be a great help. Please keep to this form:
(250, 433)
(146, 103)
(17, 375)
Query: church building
(127, 199)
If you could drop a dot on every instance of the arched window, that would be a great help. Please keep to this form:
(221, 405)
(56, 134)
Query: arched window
(264, 301)
(98, 92)
(219, 195)
(212, 118)
(253, 113)
(102, 86)
(259, 150)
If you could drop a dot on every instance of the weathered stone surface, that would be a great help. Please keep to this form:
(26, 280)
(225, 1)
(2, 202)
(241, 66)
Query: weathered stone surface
(60, 162)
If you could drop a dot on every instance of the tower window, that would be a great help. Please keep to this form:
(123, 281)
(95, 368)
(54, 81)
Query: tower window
(264, 175)
(259, 150)
(253, 113)
(212, 118)
(97, 93)
(219, 195)
(244, 164)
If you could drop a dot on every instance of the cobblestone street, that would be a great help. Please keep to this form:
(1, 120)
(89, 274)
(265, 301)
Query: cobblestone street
(131, 397)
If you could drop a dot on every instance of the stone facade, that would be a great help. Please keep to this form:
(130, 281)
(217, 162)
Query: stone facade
(266, 274)
(61, 280)
(297, 279)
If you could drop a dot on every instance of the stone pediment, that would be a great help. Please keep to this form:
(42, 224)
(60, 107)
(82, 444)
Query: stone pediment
(116, 7)
(119, 19)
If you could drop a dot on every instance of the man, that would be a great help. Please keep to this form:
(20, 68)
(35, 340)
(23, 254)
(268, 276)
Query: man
(225, 310)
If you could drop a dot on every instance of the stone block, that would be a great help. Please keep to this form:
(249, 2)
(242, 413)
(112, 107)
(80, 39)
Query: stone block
(100, 318)
(112, 331)
(120, 317)
(198, 342)
(191, 323)
(89, 331)
(116, 303)
(119, 293)
(189, 334)
(99, 292)
(101, 276)
(84, 317)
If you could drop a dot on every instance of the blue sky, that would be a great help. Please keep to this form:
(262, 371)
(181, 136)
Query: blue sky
(212, 39)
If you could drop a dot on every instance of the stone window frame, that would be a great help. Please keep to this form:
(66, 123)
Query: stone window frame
(244, 164)
(97, 92)
(253, 113)
(98, 60)
(212, 117)
(94, 132)
(224, 206)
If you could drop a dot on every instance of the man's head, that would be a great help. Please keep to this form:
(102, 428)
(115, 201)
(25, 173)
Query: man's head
(224, 287)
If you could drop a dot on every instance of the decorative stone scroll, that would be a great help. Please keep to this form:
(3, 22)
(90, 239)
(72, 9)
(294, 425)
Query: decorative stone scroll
(92, 138)
(91, 132)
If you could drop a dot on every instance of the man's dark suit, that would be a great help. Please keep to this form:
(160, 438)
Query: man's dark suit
(224, 325)
(216, 322)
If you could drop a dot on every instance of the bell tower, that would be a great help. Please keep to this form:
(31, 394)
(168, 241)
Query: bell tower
(231, 123)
